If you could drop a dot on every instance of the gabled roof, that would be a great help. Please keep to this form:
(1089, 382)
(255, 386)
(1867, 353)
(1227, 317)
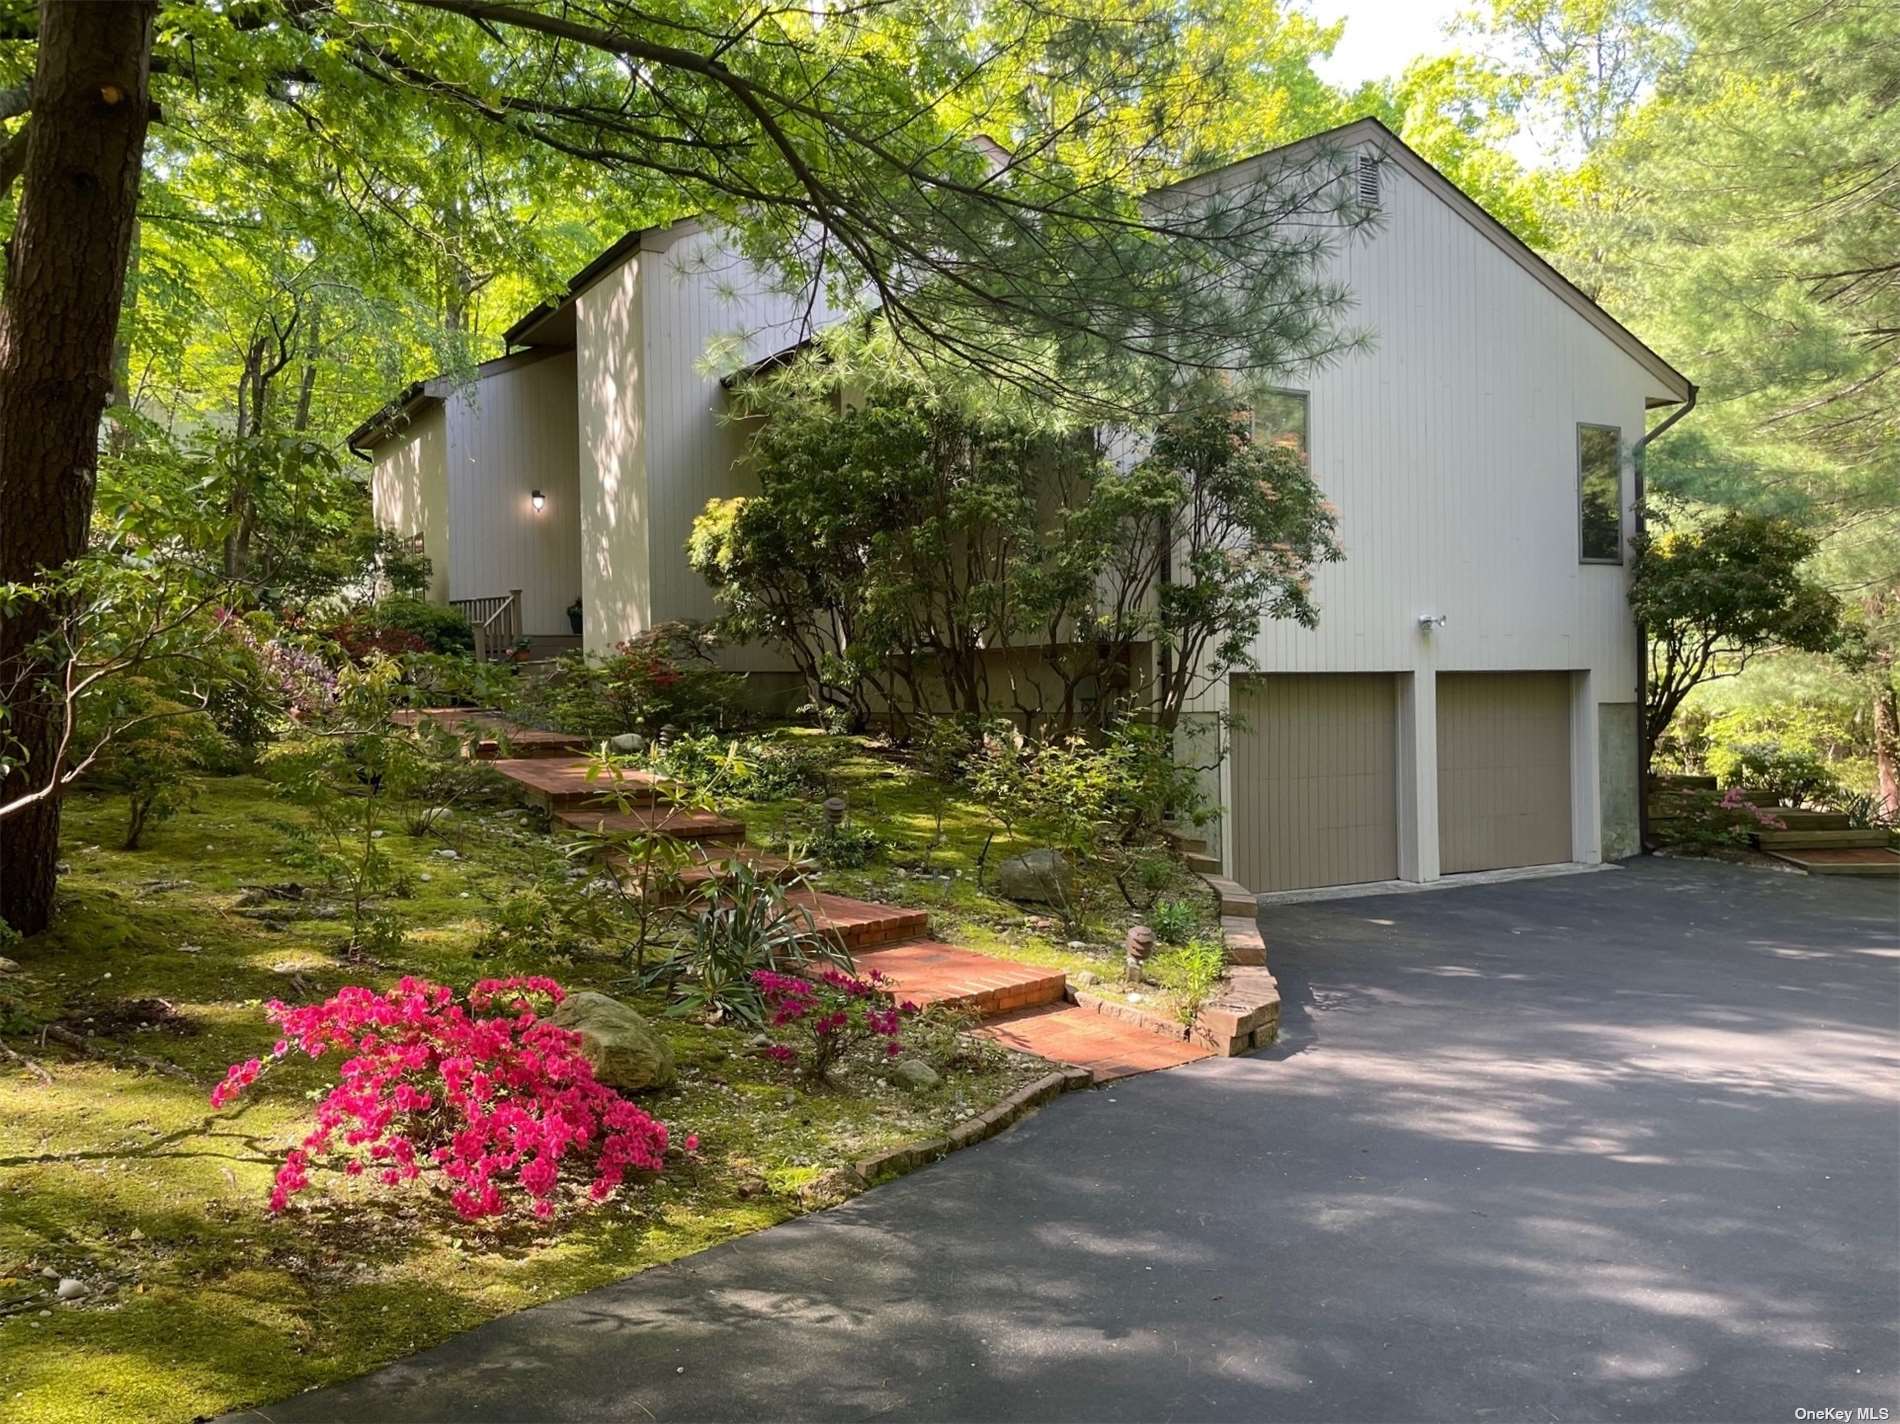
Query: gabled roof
(1372, 131)
(550, 325)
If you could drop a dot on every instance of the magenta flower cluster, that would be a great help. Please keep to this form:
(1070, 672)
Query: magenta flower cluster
(819, 1021)
(491, 1100)
(1737, 800)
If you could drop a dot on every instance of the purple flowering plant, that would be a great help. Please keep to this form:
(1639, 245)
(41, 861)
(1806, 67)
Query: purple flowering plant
(816, 1023)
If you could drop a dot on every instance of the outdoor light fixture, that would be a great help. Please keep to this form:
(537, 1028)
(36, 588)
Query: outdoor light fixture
(1429, 621)
(538, 500)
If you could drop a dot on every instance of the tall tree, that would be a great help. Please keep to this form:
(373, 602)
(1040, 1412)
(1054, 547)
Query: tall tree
(65, 274)
(852, 148)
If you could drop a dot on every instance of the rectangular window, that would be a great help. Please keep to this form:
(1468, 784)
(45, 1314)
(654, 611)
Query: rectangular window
(1279, 418)
(1600, 493)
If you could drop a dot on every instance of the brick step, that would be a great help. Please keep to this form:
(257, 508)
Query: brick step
(704, 826)
(1821, 840)
(926, 971)
(714, 862)
(485, 732)
(1202, 864)
(859, 924)
(1884, 864)
(557, 783)
(1105, 1046)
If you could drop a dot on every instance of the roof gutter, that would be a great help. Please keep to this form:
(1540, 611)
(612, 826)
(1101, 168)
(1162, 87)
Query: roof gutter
(1637, 453)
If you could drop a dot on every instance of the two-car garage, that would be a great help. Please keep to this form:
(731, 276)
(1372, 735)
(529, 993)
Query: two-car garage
(1320, 761)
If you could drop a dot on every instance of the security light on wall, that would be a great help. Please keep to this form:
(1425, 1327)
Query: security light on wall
(1429, 621)
(538, 500)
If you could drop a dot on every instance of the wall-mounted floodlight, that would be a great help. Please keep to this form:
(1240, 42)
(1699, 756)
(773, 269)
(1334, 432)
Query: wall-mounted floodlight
(538, 500)
(1429, 621)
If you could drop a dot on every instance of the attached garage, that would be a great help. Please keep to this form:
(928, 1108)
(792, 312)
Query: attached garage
(1315, 780)
(1503, 770)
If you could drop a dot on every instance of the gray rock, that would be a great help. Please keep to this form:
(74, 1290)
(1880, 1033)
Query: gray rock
(915, 1074)
(621, 1045)
(446, 854)
(9, 966)
(1041, 877)
(627, 743)
(1085, 978)
(70, 1289)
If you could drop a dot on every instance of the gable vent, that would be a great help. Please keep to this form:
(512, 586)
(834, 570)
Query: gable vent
(1369, 181)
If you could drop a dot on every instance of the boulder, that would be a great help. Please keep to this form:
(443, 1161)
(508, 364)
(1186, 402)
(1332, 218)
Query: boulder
(627, 743)
(1039, 876)
(915, 1074)
(622, 1046)
(9, 966)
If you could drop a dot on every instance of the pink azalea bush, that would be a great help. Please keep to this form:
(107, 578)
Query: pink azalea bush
(818, 1022)
(490, 1100)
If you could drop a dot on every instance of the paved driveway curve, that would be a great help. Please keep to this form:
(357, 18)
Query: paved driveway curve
(1609, 1146)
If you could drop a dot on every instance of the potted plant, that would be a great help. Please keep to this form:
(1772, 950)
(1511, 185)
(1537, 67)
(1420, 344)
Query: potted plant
(574, 615)
(523, 650)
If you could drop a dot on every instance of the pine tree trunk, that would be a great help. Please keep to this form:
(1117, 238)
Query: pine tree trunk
(65, 277)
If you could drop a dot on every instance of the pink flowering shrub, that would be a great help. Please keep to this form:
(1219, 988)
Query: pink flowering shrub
(495, 1104)
(1736, 800)
(818, 1022)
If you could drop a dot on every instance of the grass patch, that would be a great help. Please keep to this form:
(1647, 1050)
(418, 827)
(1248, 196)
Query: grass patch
(200, 1300)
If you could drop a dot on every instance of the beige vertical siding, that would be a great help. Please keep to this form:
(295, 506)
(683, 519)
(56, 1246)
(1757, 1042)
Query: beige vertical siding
(1503, 770)
(511, 433)
(409, 491)
(616, 508)
(1315, 780)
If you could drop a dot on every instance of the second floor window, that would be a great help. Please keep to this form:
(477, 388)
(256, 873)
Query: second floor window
(1279, 418)
(1600, 493)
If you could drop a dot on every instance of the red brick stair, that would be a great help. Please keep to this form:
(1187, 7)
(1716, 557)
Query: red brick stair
(706, 827)
(926, 971)
(485, 732)
(558, 783)
(1105, 1046)
(858, 924)
(1026, 1006)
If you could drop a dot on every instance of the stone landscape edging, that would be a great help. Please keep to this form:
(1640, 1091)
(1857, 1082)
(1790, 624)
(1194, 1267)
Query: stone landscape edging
(896, 1161)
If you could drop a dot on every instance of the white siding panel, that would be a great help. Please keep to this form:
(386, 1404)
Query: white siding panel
(707, 314)
(512, 433)
(409, 491)
(1449, 448)
(615, 509)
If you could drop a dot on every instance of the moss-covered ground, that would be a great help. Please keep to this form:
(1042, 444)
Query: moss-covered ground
(121, 1177)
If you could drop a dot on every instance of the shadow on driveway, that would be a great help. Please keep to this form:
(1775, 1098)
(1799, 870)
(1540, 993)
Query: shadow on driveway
(1614, 1146)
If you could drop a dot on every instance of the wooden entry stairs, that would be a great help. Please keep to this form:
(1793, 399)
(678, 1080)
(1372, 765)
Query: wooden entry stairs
(1818, 842)
(1022, 1006)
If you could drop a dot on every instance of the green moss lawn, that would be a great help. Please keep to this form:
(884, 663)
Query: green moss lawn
(198, 1299)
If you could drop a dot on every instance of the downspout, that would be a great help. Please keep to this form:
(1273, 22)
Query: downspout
(1642, 635)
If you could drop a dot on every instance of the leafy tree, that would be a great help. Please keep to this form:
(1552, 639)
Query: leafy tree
(1711, 598)
(1050, 273)
(912, 545)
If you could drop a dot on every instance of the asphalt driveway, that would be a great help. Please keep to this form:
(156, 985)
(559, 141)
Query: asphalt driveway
(1610, 1146)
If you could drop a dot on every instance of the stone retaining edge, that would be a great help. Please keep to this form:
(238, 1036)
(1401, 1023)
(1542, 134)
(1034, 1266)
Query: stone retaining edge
(897, 1161)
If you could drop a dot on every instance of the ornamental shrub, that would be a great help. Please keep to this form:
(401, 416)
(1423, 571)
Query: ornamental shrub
(817, 1023)
(492, 1103)
(1190, 974)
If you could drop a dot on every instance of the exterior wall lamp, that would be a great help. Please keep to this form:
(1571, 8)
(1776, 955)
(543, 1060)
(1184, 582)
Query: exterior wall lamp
(538, 500)
(1429, 621)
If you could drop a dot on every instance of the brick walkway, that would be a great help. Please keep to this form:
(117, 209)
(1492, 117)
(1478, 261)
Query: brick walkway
(1026, 1007)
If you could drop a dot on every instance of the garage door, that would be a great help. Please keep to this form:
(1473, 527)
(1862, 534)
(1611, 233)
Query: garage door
(1315, 782)
(1503, 770)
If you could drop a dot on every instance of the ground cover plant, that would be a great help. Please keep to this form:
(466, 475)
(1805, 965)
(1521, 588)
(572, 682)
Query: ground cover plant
(123, 1177)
